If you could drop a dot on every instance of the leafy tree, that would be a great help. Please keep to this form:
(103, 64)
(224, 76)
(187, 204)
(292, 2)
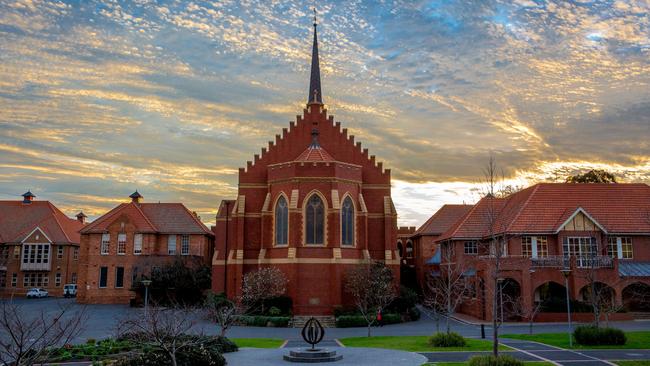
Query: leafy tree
(593, 176)
(182, 281)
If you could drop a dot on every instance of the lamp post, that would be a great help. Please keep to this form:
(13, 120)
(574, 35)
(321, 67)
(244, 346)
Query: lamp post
(146, 284)
(566, 272)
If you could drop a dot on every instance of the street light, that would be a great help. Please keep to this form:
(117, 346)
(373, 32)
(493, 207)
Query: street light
(146, 284)
(566, 272)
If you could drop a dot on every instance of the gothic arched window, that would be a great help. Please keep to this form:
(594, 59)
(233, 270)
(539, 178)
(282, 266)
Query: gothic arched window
(347, 222)
(281, 222)
(314, 220)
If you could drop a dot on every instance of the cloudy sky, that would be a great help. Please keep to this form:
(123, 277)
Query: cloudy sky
(99, 98)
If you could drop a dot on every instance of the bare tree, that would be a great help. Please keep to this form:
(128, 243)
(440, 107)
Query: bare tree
(519, 309)
(262, 284)
(372, 287)
(445, 291)
(27, 338)
(224, 311)
(165, 329)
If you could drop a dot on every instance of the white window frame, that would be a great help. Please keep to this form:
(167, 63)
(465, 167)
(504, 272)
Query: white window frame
(185, 245)
(14, 279)
(105, 246)
(121, 244)
(137, 244)
(57, 279)
(617, 243)
(75, 253)
(471, 244)
(171, 245)
(59, 252)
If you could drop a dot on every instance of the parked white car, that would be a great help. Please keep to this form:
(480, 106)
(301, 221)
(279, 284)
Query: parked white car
(70, 290)
(37, 293)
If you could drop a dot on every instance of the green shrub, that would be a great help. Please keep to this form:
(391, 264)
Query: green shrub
(414, 314)
(407, 299)
(263, 321)
(273, 311)
(345, 310)
(206, 353)
(283, 303)
(502, 360)
(594, 336)
(91, 341)
(447, 340)
(350, 321)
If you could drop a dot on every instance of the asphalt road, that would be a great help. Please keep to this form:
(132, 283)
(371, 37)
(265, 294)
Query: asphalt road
(100, 321)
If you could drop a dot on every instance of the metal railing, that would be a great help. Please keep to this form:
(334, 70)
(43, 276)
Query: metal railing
(551, 261)
(598, 261)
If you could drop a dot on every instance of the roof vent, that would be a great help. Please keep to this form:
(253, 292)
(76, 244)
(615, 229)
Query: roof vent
(81, 217)
(28, 197)
(136, 197)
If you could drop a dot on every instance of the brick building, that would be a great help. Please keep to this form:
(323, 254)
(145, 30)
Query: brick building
(313, 203)
(39, 246)
(593, 233)
(423, 241)
(124, 245)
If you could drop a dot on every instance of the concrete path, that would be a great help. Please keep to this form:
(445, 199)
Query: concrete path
(351, 357)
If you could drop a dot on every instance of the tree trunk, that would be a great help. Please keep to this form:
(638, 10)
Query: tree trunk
(530, 327)
(369, 324)
(495, 330)
(223, 331)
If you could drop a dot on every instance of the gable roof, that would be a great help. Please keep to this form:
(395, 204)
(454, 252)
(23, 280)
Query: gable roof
(546, 207)
(152, 218)
(19, 220)
(443, 219)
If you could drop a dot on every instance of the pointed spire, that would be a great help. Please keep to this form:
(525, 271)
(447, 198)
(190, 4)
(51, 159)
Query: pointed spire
(315, 95)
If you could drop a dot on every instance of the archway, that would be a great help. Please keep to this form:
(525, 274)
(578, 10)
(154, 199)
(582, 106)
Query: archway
(598, 293)
(552, 296)
(509, 298)
(636, 297)
(400, 249)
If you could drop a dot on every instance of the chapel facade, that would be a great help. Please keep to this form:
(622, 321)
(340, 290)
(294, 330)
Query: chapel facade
(313, 204)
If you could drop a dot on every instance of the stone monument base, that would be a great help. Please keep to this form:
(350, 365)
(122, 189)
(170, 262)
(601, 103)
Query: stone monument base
(315, 355)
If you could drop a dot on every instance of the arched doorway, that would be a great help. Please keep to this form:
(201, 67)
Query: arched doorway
(599, 294)
(636, 297)
(552, 297)
(510, 296)
(400, 249)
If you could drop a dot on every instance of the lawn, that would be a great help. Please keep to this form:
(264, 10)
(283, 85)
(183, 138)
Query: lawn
(635, 340)
(415, 344)
(258, 342)
(527, 363)
(633, 363)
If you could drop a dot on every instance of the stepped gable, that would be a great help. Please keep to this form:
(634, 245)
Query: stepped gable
(332, 138)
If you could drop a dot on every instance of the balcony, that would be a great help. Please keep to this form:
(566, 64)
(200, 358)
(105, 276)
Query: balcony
(598, 261)
(551, 261)
(36, 266)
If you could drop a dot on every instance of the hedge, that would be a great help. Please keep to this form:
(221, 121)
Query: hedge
(351, 321)
(447, 340)
(264, 321)
(502, 360)
(594, 336)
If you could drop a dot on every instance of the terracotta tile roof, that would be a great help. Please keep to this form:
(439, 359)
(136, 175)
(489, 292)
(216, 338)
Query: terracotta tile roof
(17, 220)
(545, 207)
(315, 153)
(443, 219)
(152, 218)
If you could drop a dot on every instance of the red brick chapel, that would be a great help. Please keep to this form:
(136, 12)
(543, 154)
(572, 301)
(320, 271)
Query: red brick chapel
(313, 204)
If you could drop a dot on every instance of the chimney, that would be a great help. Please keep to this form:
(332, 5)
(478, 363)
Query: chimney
(81, 217)
(136, 197)
(28, 197)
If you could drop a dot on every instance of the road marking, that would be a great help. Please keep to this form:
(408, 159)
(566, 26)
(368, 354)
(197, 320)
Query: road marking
(285, 343)
(572, 351)
(534, 355)
(339, 343)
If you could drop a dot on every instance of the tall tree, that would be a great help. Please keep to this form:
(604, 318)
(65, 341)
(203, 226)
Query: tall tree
(446, 290)
(372, 287)
(261, 285)
(593, 176)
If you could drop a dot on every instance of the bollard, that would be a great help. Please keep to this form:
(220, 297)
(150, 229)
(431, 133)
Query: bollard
(482, 331)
